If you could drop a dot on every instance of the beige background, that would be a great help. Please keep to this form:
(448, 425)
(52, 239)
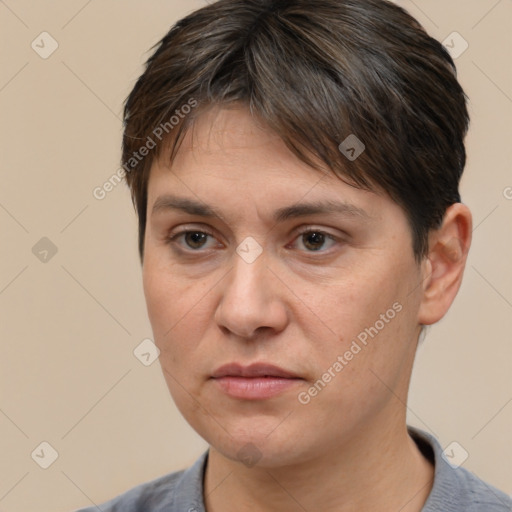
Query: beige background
(69, 325)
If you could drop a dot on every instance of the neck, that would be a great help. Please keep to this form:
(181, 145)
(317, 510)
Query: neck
(379, 470)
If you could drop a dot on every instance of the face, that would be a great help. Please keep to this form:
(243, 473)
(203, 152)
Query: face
(306, 287)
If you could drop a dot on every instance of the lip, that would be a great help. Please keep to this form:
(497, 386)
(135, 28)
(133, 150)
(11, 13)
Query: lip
(257, 381)
(253, 370)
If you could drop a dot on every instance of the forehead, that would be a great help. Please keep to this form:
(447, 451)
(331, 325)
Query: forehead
(229, 157)
(225, 137)
(231, 144)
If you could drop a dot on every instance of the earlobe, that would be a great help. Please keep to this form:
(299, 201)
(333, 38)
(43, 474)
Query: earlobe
(445, 263)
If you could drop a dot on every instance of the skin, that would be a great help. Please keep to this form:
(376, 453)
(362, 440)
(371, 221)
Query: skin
(299, 306)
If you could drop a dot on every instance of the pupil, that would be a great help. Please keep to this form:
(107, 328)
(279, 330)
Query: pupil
(196, 239)
(314, 240)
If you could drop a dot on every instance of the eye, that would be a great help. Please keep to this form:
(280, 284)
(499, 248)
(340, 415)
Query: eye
(315, 240)
(194, 239)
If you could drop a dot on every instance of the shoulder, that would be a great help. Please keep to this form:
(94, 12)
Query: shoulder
(456, 489)
(169, 493)
(463, 491)
(151, 496)
(481, 495)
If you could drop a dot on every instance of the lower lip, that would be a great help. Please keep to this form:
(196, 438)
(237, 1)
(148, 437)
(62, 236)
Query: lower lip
(255, 388)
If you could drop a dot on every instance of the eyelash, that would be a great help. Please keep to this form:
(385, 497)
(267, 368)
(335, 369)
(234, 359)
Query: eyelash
(172, 239)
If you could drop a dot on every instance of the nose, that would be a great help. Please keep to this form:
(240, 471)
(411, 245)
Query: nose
(252, 300)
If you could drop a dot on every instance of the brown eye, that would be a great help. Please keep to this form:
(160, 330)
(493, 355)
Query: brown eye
(313, 240)
(195, 239)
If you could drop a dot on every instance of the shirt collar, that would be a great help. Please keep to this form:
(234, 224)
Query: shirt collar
(188, 493)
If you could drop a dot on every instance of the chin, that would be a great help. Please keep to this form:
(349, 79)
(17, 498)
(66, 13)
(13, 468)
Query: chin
(258, 448)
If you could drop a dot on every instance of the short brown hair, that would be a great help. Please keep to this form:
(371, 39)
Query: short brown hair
(315, 72)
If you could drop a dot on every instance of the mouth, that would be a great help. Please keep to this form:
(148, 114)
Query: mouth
(258, 381)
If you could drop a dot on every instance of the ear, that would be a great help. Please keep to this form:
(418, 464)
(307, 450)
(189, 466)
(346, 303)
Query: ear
(444, 266)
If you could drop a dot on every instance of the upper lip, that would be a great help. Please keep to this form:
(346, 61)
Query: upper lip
(253, 370)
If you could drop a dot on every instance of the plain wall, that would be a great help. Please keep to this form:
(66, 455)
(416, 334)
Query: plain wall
(69, 325)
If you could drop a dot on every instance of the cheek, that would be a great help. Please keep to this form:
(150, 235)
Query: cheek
(348, 305)
(168, 300)
(367, 315)
(159, 291)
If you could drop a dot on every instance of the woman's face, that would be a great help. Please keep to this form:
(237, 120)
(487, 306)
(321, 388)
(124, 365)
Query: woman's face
(307, 287)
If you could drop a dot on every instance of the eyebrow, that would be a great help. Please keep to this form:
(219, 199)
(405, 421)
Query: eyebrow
(193, 207)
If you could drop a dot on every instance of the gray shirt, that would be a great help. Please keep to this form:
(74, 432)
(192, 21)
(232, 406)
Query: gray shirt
(455, 489)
